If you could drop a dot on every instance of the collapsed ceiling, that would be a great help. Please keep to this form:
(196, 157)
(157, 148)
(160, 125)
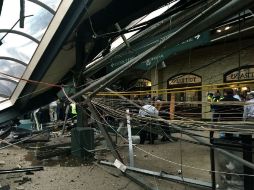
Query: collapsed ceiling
(60, 38)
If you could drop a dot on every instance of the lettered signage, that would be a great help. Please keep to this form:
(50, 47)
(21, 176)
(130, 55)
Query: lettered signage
(240, 75)
(185, 79)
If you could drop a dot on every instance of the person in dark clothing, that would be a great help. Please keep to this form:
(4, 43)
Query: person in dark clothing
(43, 115)
(60, 110)
(215, 99)
(228, 111)
(147, 110)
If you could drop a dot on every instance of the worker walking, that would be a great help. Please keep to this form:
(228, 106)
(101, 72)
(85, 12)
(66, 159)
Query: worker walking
(146, 111)
(73, 110)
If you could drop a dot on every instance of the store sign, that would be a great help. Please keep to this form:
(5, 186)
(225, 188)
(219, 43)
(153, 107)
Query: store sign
(185, 79)
(240, 75)
(137, 48)
(143, 83)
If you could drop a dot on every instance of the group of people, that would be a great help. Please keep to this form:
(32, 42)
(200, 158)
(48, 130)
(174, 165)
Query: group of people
(229, 108)
(53, 112)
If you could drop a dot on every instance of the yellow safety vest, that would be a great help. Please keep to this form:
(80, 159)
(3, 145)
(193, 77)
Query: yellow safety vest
(73, 109)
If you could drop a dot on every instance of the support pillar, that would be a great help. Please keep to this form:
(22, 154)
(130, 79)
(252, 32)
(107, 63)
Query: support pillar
(206, 107)
(157, 81)
(172, 106)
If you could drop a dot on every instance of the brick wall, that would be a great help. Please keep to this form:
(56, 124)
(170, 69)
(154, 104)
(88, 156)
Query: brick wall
(213, 71)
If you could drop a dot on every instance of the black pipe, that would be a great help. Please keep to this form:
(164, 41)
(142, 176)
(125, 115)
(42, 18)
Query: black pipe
(248, 180)
(212, 160)
(33, 169)
(22, 14)
(1, 6)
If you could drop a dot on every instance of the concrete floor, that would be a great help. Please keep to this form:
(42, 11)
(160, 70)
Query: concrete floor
(57, 175)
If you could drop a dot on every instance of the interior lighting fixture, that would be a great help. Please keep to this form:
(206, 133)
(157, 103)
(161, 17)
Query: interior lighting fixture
(227, 27)
(218, 30)
(244, 88)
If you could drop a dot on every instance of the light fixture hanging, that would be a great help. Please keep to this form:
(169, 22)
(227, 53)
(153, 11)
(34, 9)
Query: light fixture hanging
(227, 27)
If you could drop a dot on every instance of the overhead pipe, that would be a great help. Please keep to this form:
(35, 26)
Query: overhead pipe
(22, 14)
(154, 28)
(122, 35)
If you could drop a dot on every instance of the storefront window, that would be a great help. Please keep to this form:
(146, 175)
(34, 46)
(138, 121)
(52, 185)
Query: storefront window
(140, 88)
(143, 83)
(241, 80)
(186, 90)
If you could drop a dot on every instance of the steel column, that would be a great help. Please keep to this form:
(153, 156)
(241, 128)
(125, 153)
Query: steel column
(104, 131)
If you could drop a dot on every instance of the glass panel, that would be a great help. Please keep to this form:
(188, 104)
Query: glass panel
(6, 87)
(37, 24)
(11, 68)
(53, 4)
(34, 25)
(17, 46)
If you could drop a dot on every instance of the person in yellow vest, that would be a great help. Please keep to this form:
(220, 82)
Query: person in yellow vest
(214, 98)
(73, 110)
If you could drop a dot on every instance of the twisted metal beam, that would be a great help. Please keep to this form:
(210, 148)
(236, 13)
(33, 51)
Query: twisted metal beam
(20, 33)
(13, 59)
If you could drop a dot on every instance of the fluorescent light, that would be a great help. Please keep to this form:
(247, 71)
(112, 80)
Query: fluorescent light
(244, 88)
(227, 27)
(219, 30)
